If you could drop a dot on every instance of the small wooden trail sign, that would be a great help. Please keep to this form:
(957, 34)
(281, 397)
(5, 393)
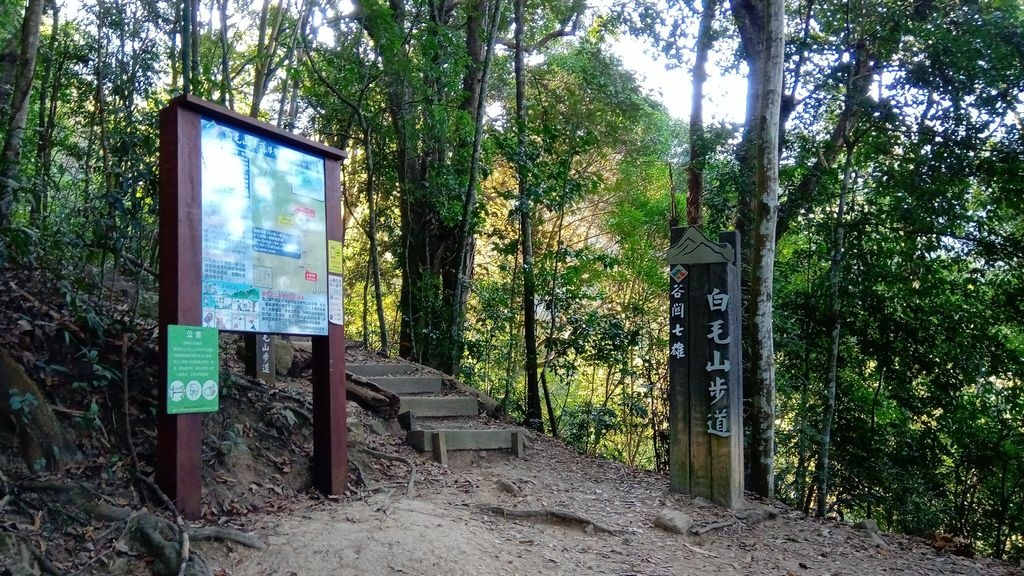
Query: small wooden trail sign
(705, 374)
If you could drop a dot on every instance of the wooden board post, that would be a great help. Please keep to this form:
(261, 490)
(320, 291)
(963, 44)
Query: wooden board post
(182, 289)
(330, 420)
(179, 437)
(705, 391)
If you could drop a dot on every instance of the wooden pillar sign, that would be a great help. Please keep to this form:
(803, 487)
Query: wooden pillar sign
(249, 214)
(705, 380)
(259, 357)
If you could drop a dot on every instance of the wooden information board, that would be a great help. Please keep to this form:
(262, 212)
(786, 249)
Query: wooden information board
(246, 214)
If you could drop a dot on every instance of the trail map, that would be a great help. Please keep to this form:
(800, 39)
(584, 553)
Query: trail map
(264, 234)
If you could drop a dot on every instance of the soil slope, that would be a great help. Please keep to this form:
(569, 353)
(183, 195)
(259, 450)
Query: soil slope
(445, 529)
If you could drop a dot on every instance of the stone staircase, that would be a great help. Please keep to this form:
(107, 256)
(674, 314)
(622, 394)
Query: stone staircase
(438, 417)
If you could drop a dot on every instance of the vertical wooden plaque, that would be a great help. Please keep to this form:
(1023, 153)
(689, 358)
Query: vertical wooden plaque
(259, 357)
(705, 390)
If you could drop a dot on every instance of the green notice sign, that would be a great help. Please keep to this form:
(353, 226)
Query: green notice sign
(193, 369)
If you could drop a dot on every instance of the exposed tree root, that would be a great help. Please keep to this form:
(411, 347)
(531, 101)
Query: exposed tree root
(713, 526)
(221, 533)
(395, 458)
(700, 550)
(183, 549)
(552, 515)
(167, 542)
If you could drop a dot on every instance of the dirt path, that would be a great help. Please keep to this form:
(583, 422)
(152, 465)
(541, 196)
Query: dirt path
(444, 531)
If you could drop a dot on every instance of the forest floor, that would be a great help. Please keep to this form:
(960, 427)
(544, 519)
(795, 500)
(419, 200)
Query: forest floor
(101, 514)
(448, 527)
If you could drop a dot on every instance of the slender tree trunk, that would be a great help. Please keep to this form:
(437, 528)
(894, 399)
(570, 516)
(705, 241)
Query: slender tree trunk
(196, 35)
(698, 142)
(534, 417)
(17, 112)
(549, 352)
(366, 303)
(805, 445)
(855, 106)
(475, 86)
(552, 422)
(371, 206)
(761, 24)
(49, 91)
(266, 47)
(835, 317)
(510, 351)
(186, 46)
(227, 97)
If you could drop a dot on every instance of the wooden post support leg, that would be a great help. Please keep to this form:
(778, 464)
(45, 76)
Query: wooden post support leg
(330, 432)
(179, 461)
(440, 445)
(518, 444)
(179, 437)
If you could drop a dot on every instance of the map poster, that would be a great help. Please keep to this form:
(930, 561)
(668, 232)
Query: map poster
(264, 228)
(193, 369)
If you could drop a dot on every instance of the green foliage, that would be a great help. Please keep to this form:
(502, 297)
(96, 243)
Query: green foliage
(97, 374)
(22, 404)
(586, 427)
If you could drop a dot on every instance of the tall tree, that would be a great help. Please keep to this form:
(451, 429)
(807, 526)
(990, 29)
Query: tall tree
(475, 87)
(762, 41)
(835, 321)
(698, 141)
(534, 417)
(432, 63)
(18, 107)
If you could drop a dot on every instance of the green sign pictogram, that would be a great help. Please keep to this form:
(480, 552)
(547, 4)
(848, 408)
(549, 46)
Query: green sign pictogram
(193, 365)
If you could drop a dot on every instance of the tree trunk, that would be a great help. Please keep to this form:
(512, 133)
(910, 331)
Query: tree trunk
(429, 250)
(761, 26)
(855, 104)
(186, 46)
(834, 277)
(49, 92)
(43, 445)
(266, 47)
(698, 143)
(534, 416)
(227, 97)
(196, 35)
(17, 112)
(475, 87)
(552, 421)
(552, 303)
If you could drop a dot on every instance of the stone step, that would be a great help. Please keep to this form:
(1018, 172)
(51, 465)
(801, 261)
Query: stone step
(383, 369)
(439, 406)
(408, 384)
(441, 441)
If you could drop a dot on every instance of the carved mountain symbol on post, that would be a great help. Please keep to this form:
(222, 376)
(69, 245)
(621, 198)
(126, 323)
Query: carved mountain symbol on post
(695, 248)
